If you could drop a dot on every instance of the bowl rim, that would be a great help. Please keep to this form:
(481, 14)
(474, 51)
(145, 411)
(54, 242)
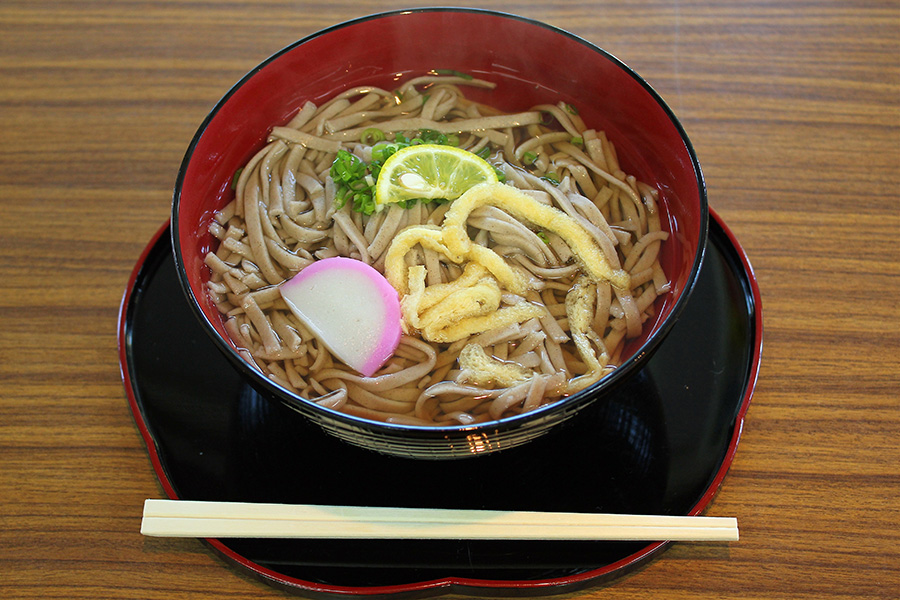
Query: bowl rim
(575, 400)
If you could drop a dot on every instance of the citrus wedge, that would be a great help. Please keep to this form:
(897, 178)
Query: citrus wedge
(430, 171)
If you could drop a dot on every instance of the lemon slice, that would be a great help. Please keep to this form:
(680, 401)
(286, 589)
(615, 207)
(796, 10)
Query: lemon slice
(430, 171)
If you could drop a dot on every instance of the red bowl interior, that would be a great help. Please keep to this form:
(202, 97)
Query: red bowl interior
(532, 64)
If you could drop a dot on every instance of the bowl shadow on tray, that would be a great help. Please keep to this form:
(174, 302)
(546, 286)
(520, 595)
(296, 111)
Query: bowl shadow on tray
(640, 451)
(614, 459)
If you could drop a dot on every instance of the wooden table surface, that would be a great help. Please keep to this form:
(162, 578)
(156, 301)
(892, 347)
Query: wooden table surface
(793, 107)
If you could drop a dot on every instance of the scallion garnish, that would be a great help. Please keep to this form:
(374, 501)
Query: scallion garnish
(453, 73)
(430, 136)
(410, 202)
(529, 157)
(382, 150)
(354, 183)
(551, 177)
(355, 180)
(234, 179)
(371, 136)
(577, 141)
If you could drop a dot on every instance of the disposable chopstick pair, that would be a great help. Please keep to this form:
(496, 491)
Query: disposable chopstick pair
(181, 518)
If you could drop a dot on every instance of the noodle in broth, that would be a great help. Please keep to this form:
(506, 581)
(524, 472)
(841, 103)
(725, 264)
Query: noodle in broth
(284, 216)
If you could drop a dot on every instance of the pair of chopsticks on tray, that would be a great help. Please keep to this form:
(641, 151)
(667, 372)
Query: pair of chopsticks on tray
(189, 518)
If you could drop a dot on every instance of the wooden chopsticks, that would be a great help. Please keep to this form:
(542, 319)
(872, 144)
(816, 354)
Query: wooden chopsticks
(188, 518)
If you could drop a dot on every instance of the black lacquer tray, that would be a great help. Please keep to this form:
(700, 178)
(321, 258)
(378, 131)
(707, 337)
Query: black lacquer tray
(661, 445)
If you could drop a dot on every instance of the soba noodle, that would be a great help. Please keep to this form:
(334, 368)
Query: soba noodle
(568, 325)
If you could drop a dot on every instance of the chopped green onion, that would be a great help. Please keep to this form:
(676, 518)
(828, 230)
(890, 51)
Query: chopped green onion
(371, 136)
(364, 202)
(529, 157)
(501, 176)
(410, 202)
(234, 180)
(382, 150)
(577, 141)
(430, 136)
(355, 179)
(484, 153)
(551, 177)
(347, 167)
(454, 73)
(354, 182)
(543, 237)
(571, 109)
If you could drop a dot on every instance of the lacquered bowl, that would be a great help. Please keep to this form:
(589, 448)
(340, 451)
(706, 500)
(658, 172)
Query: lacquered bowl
(532, 63)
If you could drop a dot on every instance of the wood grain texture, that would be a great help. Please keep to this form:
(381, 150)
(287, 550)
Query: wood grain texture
(793, 107)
